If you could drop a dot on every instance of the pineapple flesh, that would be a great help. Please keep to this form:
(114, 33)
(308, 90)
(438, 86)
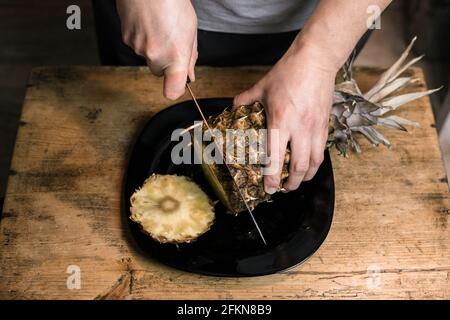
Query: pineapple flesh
(172, 209)
(352, 111)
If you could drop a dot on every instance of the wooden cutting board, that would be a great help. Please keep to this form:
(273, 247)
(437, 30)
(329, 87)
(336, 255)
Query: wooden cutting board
(62, 222)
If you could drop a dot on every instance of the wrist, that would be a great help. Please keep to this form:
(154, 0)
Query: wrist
(318, 53)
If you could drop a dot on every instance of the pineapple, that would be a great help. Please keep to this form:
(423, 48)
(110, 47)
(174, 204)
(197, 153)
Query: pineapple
(352, 111)
(248, 176)
(158, 209)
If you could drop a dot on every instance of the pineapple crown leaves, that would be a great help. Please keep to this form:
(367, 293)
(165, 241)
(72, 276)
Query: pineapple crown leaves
(354, 111)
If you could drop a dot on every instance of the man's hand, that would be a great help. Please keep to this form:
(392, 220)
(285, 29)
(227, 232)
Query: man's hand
(298, 91)
(297, 95)
(165, 33)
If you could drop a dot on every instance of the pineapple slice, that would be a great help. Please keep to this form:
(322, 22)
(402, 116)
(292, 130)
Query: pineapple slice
(172, 209)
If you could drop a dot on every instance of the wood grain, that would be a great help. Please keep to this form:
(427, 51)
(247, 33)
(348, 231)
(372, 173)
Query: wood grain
(390, 237)
(34, 39)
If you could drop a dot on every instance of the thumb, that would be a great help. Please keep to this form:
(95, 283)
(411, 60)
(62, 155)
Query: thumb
(174, 82)
(247, 97)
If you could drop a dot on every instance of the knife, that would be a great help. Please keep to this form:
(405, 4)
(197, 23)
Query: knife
(225, 162)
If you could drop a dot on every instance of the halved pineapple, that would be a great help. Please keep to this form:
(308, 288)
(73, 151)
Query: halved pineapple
(172, 209)
(352, 112)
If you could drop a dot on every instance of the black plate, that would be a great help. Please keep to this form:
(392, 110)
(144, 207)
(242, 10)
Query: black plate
(295, 224)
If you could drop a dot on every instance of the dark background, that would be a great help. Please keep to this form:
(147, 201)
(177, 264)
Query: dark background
(34, 33)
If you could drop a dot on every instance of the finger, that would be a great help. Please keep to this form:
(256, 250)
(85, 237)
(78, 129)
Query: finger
(276, 149)
(194, 56)
(248, 97)
(316, 157)
(299, 164)
(174, 82)
(155, 69)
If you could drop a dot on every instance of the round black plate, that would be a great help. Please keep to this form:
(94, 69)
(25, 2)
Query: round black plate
(295, 224)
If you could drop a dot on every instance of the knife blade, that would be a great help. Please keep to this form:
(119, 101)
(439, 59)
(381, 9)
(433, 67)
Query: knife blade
(225, 162)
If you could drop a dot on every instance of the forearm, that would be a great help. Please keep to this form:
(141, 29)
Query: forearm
(335, 27)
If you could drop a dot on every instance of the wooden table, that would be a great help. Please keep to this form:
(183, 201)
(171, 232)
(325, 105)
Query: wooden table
(390, 236)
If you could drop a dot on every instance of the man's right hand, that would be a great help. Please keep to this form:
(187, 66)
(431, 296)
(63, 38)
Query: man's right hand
(165, 33)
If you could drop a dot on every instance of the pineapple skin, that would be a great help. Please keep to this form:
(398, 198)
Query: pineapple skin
(248, 176)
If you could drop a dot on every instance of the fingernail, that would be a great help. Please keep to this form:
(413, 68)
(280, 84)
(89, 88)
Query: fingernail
(271, 190)
(173, 95)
